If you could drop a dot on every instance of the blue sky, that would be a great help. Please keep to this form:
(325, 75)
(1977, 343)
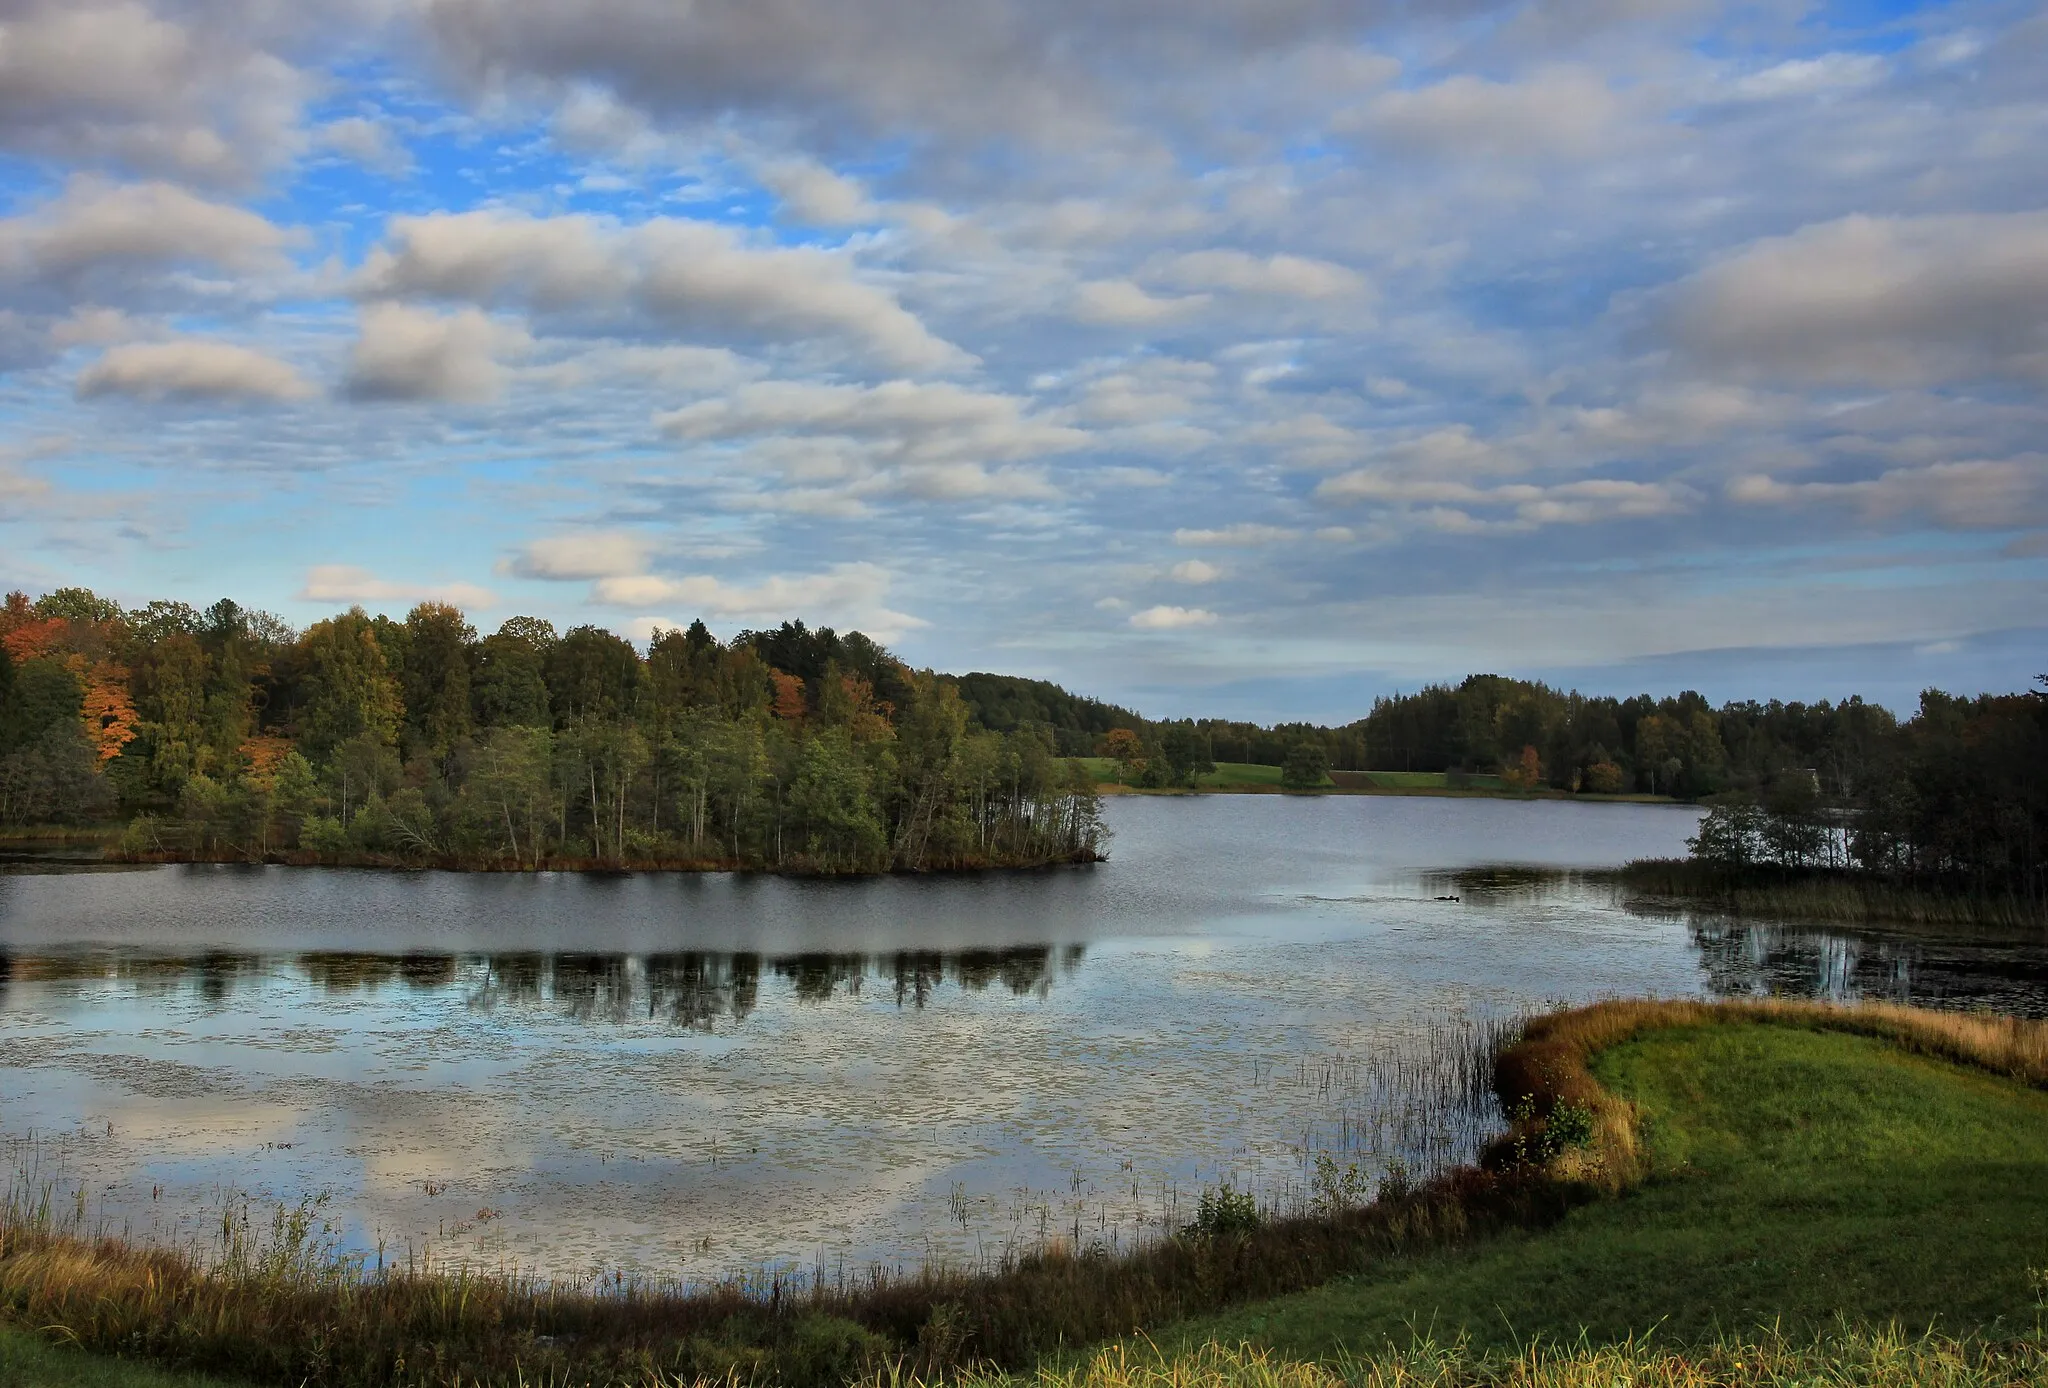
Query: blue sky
(1213, 356)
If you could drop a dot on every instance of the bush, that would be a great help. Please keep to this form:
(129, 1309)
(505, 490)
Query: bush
(1224, 1211)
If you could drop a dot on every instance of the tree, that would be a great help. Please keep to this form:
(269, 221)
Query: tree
(1306, 767)
(592, 674)
(508, 686)
(1603, 777)
(1126, 749)
(1523, 772)
(1186, 753)
(435, 681)
(350, 692)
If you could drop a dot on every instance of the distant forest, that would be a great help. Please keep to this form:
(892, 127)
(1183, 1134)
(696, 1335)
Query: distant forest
(226, 733)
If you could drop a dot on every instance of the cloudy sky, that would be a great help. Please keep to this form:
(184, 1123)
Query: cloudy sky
(1241, 356)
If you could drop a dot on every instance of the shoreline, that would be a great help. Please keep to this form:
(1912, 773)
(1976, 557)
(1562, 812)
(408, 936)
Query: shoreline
(594, 866)
(1436, 792)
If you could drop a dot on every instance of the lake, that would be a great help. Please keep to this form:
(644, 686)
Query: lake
(699, 1076)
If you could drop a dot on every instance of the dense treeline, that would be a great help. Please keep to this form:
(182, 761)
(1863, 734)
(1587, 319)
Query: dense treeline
(1537, 736)
(1006, 703)
(1954, 799)
(225, 734)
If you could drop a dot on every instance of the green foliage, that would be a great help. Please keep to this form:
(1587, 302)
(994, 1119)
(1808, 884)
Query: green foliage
(1224, 1211)
(324, 835)
(45, 695)
(1334, 1189)
(78, 605)
(348, 689)
(54, 779)
(1306, 768)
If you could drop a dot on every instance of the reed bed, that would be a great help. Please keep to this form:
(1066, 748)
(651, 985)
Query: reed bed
(1821, 894)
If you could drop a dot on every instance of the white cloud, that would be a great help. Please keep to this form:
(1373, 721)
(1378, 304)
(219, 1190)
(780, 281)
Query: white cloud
(672, 274)
(1121, 303)
(406, 353)
(367, 142)
(1878, 301)
(1568, 503)
(1827, 74)
(1165, 618)
(1554, 111)
(584, 555)
(844, 594)
(1242, 535)
(1292, 276)
(95, 229)
(1195, 571)
(142, 87)
(192, 369)
(932, 440)
(816, 195)
(1992, 494)
(350, 583)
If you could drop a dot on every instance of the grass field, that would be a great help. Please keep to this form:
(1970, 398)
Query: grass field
(1800, 1176)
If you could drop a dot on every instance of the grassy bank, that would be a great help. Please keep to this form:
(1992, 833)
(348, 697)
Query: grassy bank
(1785, 1165)
(1822, 894)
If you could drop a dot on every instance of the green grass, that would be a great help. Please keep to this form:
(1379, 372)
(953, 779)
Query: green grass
(1801, 1176)
(27, 1361)
(1240, 773)
(1432, 780)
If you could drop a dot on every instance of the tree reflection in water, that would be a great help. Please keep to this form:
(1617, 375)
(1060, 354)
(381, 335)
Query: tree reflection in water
(694, 989)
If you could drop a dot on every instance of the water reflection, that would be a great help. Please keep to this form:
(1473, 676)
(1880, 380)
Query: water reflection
(1746, 958)
(694, 989)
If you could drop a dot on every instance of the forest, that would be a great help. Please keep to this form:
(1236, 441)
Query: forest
(224, 734)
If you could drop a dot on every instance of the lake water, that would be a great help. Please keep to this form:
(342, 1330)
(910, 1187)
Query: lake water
(698, 1076)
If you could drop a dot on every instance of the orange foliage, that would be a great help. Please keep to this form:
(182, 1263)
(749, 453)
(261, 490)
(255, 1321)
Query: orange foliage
(869, 718)
(33, 637)
(1524, 772)
(108, 713)
(262, 754)
(789, 696)
(106, 710)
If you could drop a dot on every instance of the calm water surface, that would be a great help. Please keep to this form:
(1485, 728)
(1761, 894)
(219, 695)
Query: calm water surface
(700, 1075)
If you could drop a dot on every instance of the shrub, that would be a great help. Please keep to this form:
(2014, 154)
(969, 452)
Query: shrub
(1224, 1211)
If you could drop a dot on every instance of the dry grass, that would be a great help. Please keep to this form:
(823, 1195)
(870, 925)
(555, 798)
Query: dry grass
(1876, 1359)
(1546, 1081)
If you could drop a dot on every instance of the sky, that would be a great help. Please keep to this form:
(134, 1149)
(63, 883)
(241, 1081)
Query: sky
(1234, 357)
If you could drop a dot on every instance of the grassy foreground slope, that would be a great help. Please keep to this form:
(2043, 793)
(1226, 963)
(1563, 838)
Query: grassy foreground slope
(26, 1361)
(1799, 1176)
